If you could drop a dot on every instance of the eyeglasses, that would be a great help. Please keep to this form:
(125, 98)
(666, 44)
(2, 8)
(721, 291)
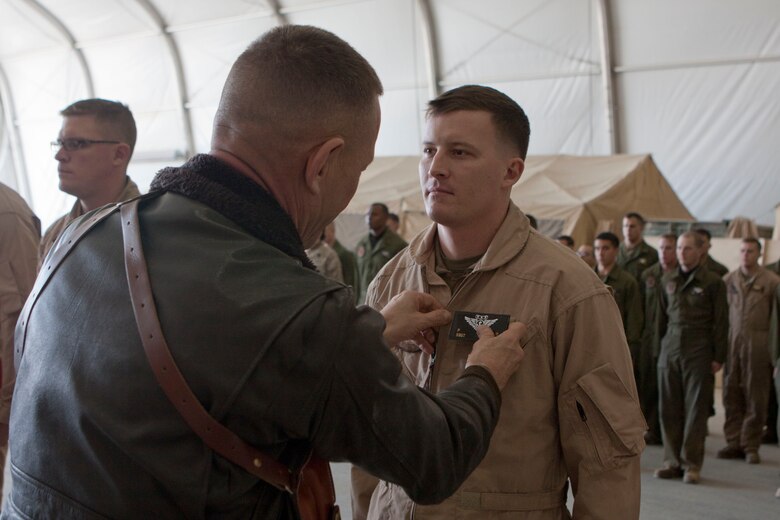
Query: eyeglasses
(76, 143)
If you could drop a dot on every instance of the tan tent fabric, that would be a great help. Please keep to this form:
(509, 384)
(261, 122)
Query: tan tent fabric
(583, 192)
(776, 232)
(742, 227)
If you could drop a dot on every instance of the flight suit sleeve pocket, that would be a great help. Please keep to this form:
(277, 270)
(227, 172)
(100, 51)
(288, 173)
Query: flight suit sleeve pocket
(607, 417)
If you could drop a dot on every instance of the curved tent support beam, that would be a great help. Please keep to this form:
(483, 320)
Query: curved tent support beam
(431, 47)
(15, 139)
(181, 83)
(68, 36)
(281, 18)
(607, 75)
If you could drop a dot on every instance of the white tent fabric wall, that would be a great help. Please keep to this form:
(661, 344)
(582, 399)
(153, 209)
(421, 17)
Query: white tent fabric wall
(696, 81)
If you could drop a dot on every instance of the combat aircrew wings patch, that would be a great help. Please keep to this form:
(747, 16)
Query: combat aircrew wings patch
(464, 324)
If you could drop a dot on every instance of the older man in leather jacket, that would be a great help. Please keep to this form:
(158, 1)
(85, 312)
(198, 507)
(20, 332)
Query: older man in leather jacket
(272, 350)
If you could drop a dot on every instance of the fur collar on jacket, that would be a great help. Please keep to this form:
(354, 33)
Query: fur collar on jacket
(208, 180)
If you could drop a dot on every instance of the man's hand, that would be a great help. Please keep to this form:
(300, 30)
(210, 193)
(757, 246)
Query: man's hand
(413, 316)
(500, 355)
(716, 366)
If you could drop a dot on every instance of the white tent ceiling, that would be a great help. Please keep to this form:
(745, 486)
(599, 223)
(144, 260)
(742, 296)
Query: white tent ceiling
(694, 82)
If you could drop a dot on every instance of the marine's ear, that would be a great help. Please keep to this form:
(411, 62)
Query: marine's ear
(514, 170)
(320, 161)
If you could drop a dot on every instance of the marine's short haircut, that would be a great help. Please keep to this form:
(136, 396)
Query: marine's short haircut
(394, 217)
(670, 236)
(566, 239)
(704, 233)
(301, 75)
(697, 236)
(113, 115)
(752, 240)
(382, 205)
(511, 122)
(610, 237)
(637, 216)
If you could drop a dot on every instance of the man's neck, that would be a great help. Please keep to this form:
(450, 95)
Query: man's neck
(106, 197)
(377, 233)
(667, 268)
(632, 245)
(749, 271)
(465, 242)
(604, 270)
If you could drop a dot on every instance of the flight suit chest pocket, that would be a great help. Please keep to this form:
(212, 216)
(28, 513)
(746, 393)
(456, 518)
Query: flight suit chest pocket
(603, 414)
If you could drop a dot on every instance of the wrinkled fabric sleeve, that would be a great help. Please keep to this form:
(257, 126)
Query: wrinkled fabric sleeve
(600, 420)
(636, 319)
(372, 415)
(720, 329)
(18, 262)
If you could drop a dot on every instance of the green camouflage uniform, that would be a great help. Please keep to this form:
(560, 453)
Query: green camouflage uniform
(348, 266)
(371, 259)
(637, 259)
(695, 333)
(625, 289)
(647, 383)
(716, 267)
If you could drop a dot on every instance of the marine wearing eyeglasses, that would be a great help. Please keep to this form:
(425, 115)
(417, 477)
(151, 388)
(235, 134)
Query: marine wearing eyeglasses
(92, 150)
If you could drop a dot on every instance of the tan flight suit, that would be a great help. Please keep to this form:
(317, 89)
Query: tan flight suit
(628, 297)
(695, 326)
(371, 259)
(55, 230)
(748, 371)
(571, 410)
(647, 384)
(637, 259)
(20, 231)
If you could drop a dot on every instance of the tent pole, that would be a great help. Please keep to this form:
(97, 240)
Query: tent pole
(431, 48)
(178, 69)
(15, 139)
(279, 16)
(67, 36)
(608, 75)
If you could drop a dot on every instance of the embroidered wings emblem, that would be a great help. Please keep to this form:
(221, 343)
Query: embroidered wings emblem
(480, 319)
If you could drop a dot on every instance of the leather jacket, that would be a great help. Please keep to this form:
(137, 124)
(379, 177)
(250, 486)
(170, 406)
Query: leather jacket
(273, 350)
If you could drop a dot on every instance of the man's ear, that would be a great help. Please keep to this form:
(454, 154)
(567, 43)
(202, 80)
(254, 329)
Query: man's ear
(122, 153)
(320, 160)
(514, 170)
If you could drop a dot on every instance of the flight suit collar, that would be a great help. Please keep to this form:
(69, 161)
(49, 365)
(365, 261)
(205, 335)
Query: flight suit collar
(508, 242)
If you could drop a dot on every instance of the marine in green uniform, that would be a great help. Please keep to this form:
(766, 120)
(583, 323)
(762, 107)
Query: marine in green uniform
(694, 345)
(625, 289)
(651, 287)
(635, 254)
(706, 260)
(346, 257)
(377, 248)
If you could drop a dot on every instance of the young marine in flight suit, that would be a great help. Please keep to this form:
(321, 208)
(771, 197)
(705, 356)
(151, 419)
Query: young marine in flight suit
(748, 374)
(571, 412)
